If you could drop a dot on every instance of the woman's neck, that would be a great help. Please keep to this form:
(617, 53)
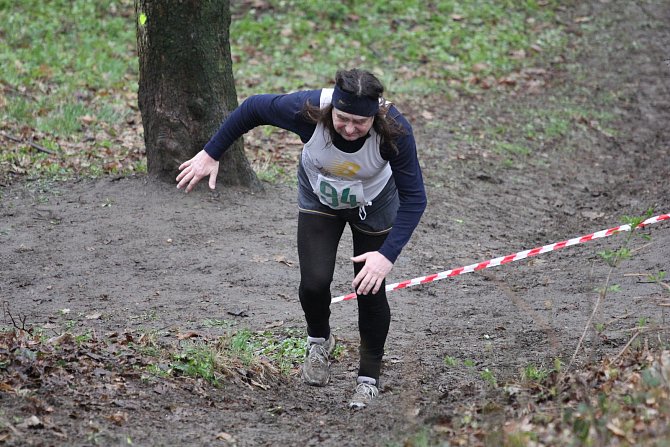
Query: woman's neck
(349, 146)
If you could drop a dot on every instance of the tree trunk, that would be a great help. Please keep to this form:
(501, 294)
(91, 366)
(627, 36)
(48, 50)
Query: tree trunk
(186, 85)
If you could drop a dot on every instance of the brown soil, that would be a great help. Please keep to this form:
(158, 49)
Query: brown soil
(147, 257)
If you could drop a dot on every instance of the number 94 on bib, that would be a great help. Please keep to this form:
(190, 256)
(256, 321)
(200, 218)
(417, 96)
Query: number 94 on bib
(340, 194)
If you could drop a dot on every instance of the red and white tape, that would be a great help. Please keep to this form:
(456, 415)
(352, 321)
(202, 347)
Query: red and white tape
(509, 258)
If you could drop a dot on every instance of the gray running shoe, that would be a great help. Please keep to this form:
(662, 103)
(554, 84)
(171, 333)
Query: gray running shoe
(316, 369)
(364, 394)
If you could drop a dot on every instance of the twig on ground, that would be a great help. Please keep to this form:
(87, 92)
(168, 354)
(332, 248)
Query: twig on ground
(639, 331)
(22, 319)
(615, 319)
(646, 329)
(5, 422)
(30, 143)
(651, 281)
(601, 296)
(642, 247)
(630, 342)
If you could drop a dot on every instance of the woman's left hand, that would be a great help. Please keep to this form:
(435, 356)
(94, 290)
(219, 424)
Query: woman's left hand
(372, 274)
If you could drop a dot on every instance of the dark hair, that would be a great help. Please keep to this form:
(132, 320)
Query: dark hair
(362, 84)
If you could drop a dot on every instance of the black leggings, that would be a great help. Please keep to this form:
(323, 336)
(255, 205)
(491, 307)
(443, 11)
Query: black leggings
(318, 238)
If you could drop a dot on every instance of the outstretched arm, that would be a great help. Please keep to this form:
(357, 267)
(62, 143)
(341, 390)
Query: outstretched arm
(284, 111)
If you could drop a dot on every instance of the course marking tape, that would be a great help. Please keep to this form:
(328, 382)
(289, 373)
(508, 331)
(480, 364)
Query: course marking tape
(509, 258)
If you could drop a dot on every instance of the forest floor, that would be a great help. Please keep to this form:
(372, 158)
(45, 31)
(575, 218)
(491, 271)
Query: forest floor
(129, 265)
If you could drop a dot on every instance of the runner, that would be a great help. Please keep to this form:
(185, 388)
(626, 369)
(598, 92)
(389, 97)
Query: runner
(358, 166)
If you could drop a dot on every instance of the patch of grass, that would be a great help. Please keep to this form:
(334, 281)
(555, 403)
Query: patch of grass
(419, 439)
(282, 351)
(78, 87)
(240, 346)
(84, 47)
(534, 374)
(450, 361)
(489, 377)
(506, 148)
(198, 360)
(269, 171)
(524, 134)
(69, 76)
(432, 43)
(286, 350)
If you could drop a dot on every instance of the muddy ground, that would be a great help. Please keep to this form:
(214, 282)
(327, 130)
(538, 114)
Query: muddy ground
(131, 255)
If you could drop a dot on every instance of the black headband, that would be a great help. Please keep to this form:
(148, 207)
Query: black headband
(356, 105)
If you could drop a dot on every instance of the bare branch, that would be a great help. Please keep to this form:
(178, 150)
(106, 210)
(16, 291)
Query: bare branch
(30, 143)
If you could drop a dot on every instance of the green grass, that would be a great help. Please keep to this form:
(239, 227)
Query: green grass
(213, 360)
(535, 374)
(70, 70)
(417, 47)
(522, 133)
(54, 53)
(198, 360)
(69, 82)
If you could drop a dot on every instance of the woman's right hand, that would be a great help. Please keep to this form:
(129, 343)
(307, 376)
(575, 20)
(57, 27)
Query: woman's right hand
(193, 170)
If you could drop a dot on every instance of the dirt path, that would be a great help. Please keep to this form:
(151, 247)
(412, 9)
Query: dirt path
(131, 254)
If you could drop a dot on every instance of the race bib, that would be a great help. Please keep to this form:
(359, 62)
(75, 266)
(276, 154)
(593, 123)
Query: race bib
(340, 194)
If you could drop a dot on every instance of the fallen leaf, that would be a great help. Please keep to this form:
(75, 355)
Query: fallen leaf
(187, 334)
(87, 119)
(223, 436)
(618, 431)
(63, 338)
(443, 428)
(93, 316)
(282, 259)
(119, 418)
(259, 385)
(479, 67)
(31, 422)
(274, 324)
(508, 80)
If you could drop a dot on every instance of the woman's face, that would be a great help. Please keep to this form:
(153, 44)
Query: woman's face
(351, 127)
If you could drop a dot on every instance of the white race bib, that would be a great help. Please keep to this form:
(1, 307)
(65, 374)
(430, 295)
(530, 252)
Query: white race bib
(340, 194)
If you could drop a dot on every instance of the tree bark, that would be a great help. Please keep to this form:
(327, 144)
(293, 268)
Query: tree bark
(186, 85)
